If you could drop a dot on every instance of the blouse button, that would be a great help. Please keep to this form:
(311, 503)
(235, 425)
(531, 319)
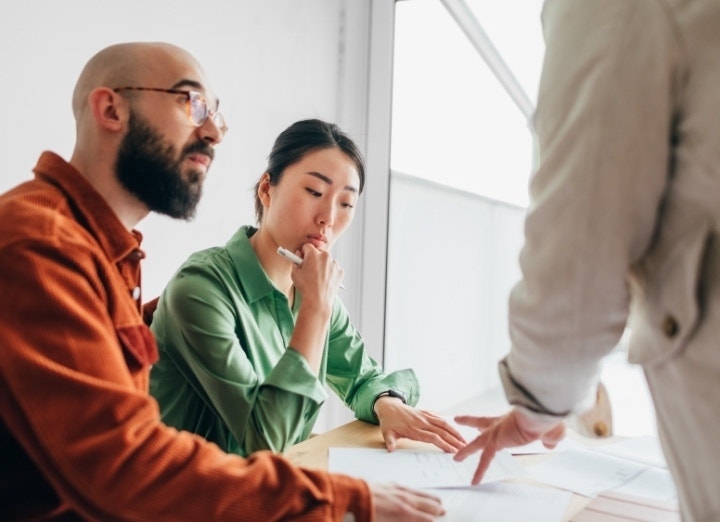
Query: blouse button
(670, 327)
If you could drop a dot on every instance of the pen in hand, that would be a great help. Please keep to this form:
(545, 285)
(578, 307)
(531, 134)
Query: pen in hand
(293, 258)
(284, 252)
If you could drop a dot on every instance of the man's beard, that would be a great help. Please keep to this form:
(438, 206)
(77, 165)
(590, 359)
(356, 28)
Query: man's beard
(151, 170)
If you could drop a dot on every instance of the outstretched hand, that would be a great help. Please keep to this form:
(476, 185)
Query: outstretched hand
(398, 420)
(508, 431)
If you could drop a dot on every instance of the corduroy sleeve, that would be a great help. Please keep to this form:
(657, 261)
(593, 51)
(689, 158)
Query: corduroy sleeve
(69, 396)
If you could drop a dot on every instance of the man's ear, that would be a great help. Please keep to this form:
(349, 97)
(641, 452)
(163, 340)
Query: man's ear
(264, 189)
(109, 109)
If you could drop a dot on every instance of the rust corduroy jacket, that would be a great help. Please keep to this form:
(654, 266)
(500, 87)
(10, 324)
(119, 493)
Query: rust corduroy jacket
(80, 438)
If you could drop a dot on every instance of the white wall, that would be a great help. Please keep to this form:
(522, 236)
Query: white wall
(271, 62)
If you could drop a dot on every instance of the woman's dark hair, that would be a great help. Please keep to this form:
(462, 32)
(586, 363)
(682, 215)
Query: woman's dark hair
(300, 138)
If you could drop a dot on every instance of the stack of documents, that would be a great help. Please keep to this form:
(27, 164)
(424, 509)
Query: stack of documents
(615, 507)
(627, 480)
(632, 467)
(418, 469)
(492, 500)
(647, 496)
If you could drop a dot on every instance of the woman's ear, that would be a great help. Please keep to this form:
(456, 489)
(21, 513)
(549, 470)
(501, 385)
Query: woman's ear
(264, 189)
(108, 109)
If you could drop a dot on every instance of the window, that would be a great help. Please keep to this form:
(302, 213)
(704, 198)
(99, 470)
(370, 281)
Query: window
(461, 155)
(453, 121)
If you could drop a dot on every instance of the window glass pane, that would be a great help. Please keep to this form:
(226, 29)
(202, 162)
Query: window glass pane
(453, 122)
(515, 30)
(461, 156)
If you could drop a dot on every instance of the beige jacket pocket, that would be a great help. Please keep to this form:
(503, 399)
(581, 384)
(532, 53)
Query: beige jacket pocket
(665, 290)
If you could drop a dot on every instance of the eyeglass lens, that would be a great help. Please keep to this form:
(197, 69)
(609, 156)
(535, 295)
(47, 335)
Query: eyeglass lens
(199, 112)
(198, 109)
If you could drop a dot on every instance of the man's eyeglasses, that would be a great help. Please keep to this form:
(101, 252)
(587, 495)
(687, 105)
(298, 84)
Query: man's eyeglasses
(196, 106)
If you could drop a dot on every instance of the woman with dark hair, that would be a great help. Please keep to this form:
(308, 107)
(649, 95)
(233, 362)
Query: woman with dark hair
(248, 339)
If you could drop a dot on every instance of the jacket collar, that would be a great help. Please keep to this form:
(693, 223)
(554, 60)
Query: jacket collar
(90, 208)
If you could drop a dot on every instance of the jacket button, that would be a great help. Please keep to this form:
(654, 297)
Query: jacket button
(137, 255)
(670, 327)
(600, 429)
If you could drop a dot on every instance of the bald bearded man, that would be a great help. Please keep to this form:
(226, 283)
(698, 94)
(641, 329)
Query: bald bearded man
(80, 438)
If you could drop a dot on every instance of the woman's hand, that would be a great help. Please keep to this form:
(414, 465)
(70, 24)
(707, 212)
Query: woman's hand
(317, 279)
(319, 276)
(398, 420)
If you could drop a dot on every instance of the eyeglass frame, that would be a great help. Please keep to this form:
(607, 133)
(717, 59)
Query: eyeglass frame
(189, 97)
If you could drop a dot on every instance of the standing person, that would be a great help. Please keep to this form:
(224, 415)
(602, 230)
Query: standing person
(248, 339)
(80, 437)
(623, 227)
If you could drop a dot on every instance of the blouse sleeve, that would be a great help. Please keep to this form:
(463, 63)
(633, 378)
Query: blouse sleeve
(355, 376)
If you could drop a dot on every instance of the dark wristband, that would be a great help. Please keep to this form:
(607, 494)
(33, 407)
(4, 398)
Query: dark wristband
(389, 393)
(392, 393)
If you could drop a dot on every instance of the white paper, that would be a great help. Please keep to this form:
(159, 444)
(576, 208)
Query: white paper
(645, 449)
(585, 472)
(503, 502)
(418, 469)
(653, 484)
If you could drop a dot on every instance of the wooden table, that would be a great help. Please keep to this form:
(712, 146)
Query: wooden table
(313, 453)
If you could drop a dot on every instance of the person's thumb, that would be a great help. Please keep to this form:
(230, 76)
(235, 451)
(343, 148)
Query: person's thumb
(390, 441)
(551, 438)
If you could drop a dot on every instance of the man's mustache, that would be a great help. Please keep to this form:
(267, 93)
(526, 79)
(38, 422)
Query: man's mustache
(200, 147)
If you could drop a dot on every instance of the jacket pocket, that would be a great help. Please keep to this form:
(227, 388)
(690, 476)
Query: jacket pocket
(665, 288)
(138, 345)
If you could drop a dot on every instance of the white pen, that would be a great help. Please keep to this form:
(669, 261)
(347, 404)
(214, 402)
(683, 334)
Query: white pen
(290, 256)
(293, 258)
